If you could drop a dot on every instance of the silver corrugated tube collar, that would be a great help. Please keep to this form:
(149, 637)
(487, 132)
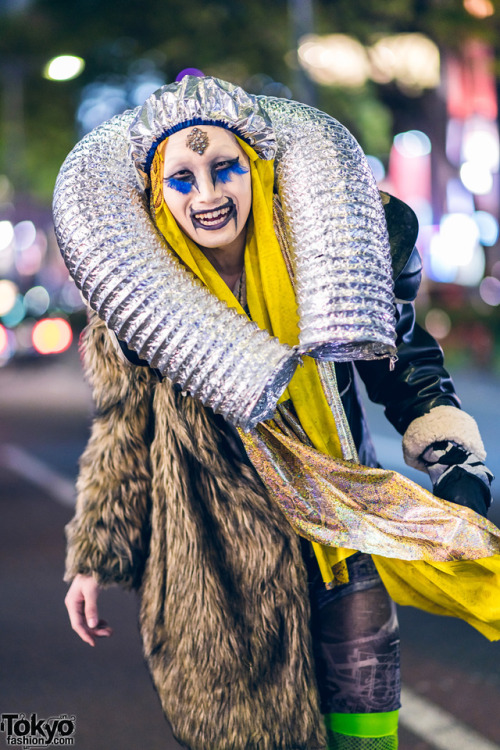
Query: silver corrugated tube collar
(126, 273)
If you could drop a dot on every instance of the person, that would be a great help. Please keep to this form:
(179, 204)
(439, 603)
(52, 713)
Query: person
(268, 558)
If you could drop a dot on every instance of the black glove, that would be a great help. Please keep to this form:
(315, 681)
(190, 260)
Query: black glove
(458, 475)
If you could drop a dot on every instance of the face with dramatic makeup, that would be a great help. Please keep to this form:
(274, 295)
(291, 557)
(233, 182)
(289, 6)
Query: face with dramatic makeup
(209, 193)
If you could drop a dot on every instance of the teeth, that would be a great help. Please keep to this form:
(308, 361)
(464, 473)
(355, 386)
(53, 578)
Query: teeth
(212, 217)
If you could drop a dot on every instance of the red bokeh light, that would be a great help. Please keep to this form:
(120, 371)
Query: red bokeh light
(4, 341)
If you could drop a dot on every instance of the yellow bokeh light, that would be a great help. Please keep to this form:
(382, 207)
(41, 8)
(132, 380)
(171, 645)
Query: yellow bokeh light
(411, 59)
(52, 336)
(340, 60)
(64, 68)
(335, 59)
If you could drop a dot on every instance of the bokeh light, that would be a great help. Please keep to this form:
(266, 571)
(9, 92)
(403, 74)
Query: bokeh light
(64, 68)
(438, 323)
(8, 296)
(144, 87)
(423, 210)
(70, 298)
(23, 335)
(29, 262)
(412, 143)
(377, 167)
(476, 178)
(441, 263)
(487, 226)
(100, 101)
(460, 235)
(6, 234)
(489, 291)
(52, 336)
(4, 342)
(410, 59)
(25, 234)
(455, 254)
(36, 300)
(480, 146)
(471, 273)
(334, 59)
(458, 198)
(16, 314)
(454, 132)
(479, 8)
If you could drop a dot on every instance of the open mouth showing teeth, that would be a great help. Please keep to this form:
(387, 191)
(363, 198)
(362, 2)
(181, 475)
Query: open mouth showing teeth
(215, 219)
(212, 217)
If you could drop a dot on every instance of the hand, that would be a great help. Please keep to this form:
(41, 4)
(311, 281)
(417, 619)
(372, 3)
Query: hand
(458, 475)
(81, 603)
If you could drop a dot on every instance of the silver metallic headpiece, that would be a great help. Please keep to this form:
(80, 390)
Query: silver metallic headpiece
(198, 101)
(335, 223)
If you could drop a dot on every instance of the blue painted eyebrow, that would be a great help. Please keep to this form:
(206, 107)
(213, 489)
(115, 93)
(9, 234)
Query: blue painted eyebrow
(224, 175)
(182, 186)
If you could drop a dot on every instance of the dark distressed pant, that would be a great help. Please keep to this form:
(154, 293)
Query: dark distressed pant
(355, 639)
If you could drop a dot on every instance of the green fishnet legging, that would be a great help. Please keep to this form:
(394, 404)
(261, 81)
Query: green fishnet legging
(362, 731)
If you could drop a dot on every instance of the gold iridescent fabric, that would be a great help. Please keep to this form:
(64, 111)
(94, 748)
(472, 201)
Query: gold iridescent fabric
(339, 503)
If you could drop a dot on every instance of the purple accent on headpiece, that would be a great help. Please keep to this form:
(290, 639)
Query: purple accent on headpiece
(189, 72)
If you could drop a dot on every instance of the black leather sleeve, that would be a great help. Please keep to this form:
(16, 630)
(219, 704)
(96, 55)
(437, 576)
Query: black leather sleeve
(419, 380)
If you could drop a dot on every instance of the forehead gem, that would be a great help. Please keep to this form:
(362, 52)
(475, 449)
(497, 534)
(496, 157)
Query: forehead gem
(197, 141)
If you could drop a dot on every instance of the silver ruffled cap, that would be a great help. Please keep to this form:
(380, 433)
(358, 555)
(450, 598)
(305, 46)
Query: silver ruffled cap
(195, 101)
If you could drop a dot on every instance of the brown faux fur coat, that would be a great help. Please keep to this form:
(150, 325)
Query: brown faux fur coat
(168, 506)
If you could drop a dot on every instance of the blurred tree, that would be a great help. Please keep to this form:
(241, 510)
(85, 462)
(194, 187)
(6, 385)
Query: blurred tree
(228, 38)
(246, 42)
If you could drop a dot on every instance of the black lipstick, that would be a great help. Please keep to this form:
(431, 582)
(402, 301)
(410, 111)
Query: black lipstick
(231, 214)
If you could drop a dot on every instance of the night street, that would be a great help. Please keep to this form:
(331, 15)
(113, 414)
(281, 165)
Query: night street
(236, 191)
(46, 669)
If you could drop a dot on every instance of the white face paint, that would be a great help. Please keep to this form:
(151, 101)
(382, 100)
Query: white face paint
(209, 194)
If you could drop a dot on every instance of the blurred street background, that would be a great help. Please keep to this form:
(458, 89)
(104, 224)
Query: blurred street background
(417, 83)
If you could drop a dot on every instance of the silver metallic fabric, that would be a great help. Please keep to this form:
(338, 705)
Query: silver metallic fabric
(334, 220)
(328, 378)
(338, 234)
(125, 272)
